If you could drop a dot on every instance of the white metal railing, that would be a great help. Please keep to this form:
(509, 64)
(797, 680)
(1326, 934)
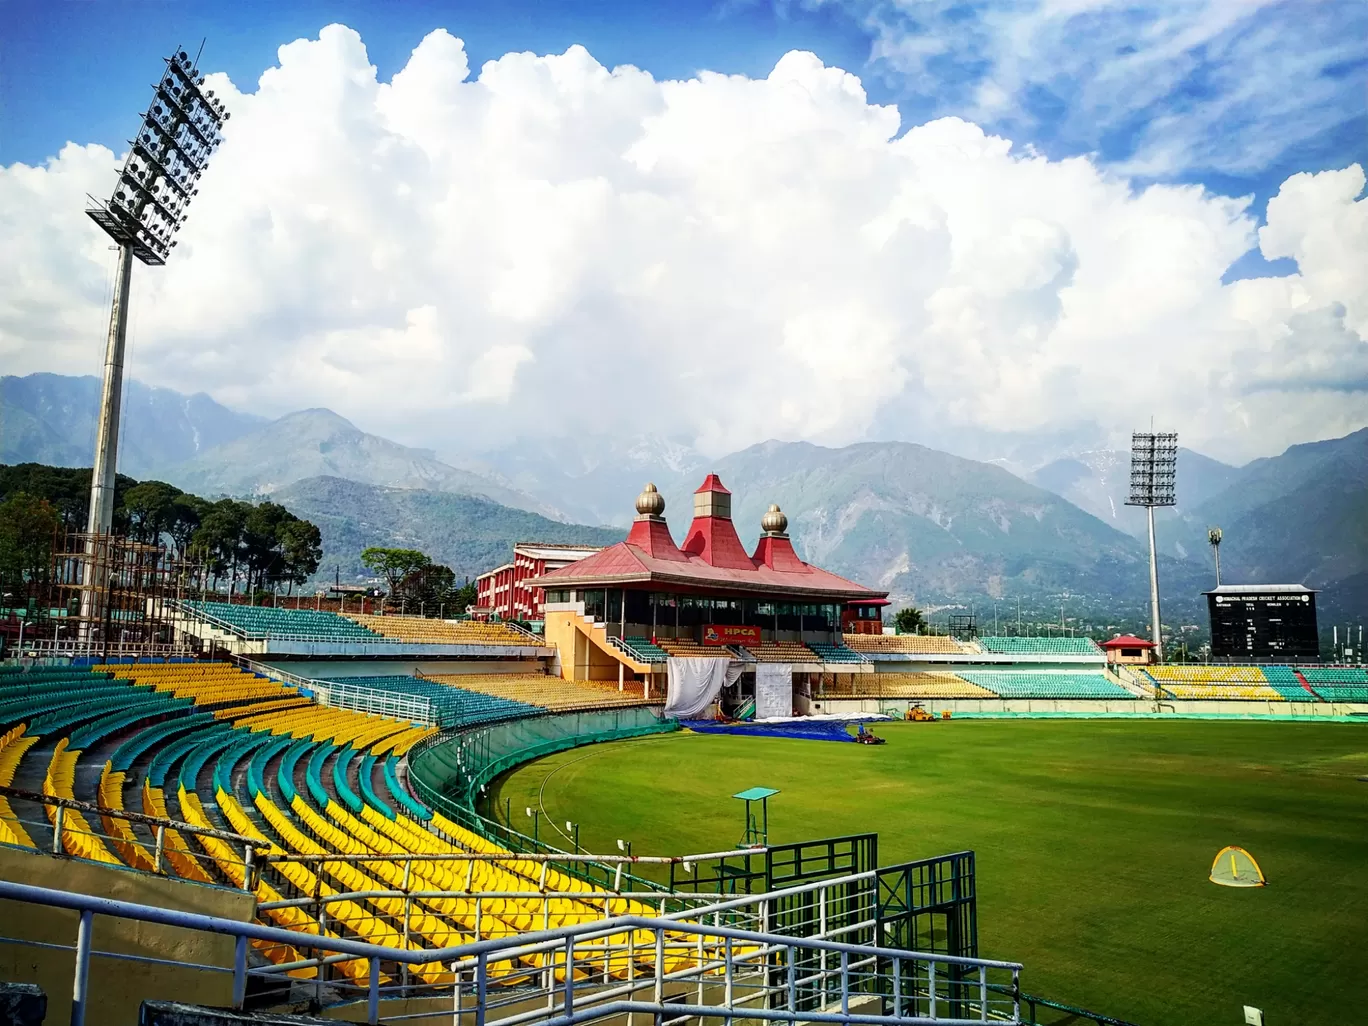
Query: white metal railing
(668, 970)
(631, 653)
(274, 673)
(341, 695)
(95, 648)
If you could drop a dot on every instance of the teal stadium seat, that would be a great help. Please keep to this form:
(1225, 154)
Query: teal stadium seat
(644, 650)
(1339, 683)
(1284, 680)
(1040, 646)
(1047, 685)
(288, 624)
(836, 653)
(344, 791)
(414, 807)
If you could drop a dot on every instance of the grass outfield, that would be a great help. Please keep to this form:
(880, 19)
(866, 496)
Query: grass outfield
(1094, 839)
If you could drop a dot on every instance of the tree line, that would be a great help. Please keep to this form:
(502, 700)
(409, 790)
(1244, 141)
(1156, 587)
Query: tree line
(416, 583)
(262, 546)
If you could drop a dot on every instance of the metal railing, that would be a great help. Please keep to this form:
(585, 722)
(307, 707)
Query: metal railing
(94, 648)
(631, 653)
(273, 672)
(160, 858)
(669, 970)
(341, 695)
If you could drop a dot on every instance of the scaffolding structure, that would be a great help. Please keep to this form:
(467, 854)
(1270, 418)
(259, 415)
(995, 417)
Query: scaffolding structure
(108, 596)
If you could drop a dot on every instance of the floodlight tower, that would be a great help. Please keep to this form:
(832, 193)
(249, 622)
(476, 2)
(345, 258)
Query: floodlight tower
(1154, 476)
(1214, 537)
(179, 132)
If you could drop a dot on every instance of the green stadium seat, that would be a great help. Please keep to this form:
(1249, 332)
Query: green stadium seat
(1040, 646)
(1047, 685)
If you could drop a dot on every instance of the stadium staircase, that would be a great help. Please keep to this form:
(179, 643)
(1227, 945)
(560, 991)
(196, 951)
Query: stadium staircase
(596, 631)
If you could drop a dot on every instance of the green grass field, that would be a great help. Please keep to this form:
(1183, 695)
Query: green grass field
(1094, 840)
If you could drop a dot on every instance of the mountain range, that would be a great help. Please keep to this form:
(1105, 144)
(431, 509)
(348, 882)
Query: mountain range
(1099, 481)
(319, 443)
(924, 524)
(469, 533)
(50, 418)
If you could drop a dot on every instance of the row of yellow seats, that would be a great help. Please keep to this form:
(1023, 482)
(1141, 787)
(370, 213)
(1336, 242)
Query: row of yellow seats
(354, 877)
(1198, 674)
(926, 685)
(13, 744)
(271, 705)
(348, 913)
(175, 851)
(78, 838)
(230, 863)
(1224, 692)
(120, 832)
(560, 881)
(303, 721)
(323, 723)
(402, 743)
(909, 643)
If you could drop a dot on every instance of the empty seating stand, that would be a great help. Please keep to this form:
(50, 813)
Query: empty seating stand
(1338, 683)
(451, 705)
(444, 632)
(921, 685)
(541, 691)
(297, 624)
(643, 650)
(1040, 646)
(783, 652)
(1047, 685)
(837, 654)
(908, 644)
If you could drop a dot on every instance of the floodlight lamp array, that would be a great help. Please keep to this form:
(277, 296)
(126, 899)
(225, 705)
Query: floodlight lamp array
(1154, 469)
(180, 132)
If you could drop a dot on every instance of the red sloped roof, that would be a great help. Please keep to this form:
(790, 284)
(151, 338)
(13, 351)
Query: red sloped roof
(714, 540)
(1127, 641)
(624, 563)
(712, 558)
(712, 483)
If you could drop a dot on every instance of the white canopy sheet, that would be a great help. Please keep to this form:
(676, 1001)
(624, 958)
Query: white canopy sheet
(694, 684)
(773, 690)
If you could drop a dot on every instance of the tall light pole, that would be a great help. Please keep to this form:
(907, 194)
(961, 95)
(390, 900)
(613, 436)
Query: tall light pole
(1214, 537)
(1154, 476)
(179, 133)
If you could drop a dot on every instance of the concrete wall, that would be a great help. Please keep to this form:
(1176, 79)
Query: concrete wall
(970, 707)
(117, 987)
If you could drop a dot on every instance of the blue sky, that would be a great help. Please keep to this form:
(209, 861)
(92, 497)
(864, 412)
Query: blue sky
(1280, 90)
(917, 272)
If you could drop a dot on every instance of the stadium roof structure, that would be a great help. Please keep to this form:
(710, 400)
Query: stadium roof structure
(712, 557)
(1126, 641)
(1260, 589)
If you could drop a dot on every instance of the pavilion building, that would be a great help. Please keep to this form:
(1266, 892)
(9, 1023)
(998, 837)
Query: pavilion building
(621, 613)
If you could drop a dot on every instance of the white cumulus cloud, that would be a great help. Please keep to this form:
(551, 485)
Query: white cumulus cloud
(551, 246)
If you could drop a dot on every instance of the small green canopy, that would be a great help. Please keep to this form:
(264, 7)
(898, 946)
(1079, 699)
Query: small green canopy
(1235, 867)
(754, 794)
